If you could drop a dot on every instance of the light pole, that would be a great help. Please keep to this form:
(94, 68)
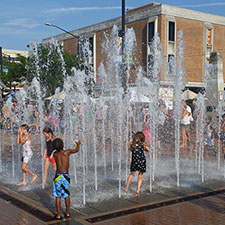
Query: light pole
(1, 59)
(76, 36)
(123, 69)
(52, 25)
(123, 25)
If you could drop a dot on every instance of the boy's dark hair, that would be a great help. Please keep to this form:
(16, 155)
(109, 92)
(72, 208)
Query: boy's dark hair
(58, 144)
(48, 130)
(25, 126)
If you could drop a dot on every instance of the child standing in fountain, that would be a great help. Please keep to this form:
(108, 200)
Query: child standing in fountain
(23, 138)
(61, 182)
(138, 160)
(49, 136)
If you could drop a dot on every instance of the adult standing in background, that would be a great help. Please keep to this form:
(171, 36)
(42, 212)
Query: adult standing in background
(185, 124)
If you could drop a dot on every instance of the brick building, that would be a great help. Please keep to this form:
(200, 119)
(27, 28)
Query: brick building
(202, 34)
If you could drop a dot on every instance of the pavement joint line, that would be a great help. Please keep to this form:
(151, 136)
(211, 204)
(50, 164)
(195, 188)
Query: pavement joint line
(80, 212)
(23, 198)
(82, 221)
(125, 212)
(133, 201)
(92, 207)
(4, 202)
(25, 207)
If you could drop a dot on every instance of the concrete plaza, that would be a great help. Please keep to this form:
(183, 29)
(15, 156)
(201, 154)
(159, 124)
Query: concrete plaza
(200, 204)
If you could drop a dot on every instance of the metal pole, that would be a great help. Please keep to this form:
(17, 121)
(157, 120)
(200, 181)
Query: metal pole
(52, 25)
(123, 70)
(76, 36)
(123, 26)
(1, 59)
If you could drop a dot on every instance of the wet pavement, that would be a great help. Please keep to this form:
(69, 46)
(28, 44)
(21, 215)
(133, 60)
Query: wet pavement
(200, 204)
(194, 203)
(209, 210)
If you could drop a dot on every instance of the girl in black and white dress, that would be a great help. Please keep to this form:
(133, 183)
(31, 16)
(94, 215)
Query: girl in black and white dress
(138, 160)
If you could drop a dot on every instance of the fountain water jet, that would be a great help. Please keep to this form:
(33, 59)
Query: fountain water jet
(100, 169)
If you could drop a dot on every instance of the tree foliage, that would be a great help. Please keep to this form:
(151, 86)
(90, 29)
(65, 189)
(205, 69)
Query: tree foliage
(50, 66)
(16, 71)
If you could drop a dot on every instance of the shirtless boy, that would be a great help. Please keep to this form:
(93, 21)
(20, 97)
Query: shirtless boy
(61, 182)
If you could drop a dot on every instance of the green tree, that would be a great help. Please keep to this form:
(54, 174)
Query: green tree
(50, 66)
(13, 71)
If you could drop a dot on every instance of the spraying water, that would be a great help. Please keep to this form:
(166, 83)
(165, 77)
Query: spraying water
(104, 118)
(178, 86)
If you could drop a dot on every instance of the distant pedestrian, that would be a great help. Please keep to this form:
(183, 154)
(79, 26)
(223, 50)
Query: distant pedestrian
(23, 138)
(222, 135)
(61, 182)
(138, 160)
(185, 124)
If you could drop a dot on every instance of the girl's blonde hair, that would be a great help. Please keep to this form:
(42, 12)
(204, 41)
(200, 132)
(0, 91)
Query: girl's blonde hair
(138, 139)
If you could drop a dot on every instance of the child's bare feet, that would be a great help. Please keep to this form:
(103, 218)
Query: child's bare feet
(126, 189)
(67, 216)
(137, 193)
(22, 184)
(33, 178)
(58, 217)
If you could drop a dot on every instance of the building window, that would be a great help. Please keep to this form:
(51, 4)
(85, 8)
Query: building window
(151, 31)
(209, 36)
(170, 63)
(150, 66)
(90, 54)
(86, 53)
(150, 61)
(91, 45)
(208, 43)
(170, 46)
(171, 31)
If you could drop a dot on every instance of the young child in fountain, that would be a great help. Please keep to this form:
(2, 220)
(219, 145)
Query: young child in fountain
(138, 160)
(23, 138)
(61, 182)
(48, 133)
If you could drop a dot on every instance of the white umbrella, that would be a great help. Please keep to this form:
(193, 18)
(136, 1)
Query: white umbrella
(137, 98)
(61, 95)
(142, 99)
(188, 94)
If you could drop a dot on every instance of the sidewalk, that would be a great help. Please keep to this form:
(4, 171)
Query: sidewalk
(12, 215)
(200, 204)
(206, 211)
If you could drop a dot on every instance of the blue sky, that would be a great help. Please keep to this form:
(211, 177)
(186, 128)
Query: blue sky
(22, 21)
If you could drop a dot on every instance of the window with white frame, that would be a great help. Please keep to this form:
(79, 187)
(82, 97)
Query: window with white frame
(170, 44)
(151, 31)
(170, 63)
(171, 29)
(208, 42)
